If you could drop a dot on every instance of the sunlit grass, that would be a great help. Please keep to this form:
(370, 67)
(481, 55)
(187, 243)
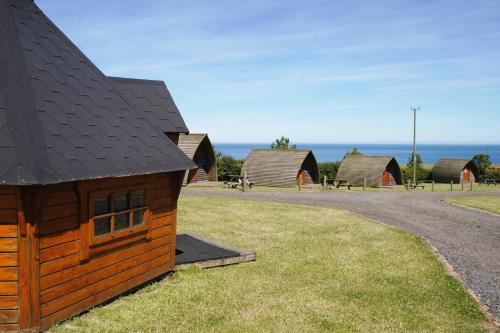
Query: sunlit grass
(487, 203)
(317, 270)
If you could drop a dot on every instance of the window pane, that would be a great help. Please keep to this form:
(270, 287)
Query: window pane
(102, 226)
(121, 221)
(139, 217)
(138, 199)
(120, 202)
(101, 206)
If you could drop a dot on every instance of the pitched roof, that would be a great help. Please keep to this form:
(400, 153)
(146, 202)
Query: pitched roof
(154, 101)
(198, 144)
(190, 143)
(60, 117)
(448, 169)
(356, 168)
(278, 167)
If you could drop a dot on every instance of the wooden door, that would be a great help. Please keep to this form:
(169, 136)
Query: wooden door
(386, 178)
(466, 176)
(301, 177)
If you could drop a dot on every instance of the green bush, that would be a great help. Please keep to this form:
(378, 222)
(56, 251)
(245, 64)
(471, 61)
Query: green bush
(328, 169)
(492, 174)
(227, 166)
(422, 174)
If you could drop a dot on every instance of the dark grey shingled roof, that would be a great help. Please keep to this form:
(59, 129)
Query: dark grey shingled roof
(154, 101)
(60, 117)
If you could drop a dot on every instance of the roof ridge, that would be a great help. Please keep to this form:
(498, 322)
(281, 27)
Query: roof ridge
(19, 98)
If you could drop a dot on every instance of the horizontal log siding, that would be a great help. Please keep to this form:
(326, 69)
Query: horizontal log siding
(9, 304)
(68, 286)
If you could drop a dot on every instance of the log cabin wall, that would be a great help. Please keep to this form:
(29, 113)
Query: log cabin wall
(69, 285)
(9, 308)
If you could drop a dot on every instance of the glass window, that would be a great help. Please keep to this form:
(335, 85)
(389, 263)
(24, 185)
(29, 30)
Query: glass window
(101, 206)
(138, 217)
(119, 212)
(120, 202)
(138, 200)
(122, 221)
(102, 226)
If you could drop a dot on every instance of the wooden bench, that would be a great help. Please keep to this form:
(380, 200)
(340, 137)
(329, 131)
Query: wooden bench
(488, 182)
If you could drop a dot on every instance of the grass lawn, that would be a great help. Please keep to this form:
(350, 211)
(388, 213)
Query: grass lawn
(488, 203)
(317, 269)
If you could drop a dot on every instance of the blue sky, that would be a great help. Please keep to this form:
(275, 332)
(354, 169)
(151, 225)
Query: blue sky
(315, 71)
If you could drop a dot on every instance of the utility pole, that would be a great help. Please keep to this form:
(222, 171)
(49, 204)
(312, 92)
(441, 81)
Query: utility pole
(415, 144)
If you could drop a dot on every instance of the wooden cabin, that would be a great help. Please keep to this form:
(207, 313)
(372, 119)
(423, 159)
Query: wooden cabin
(155, 103)
(199, 148)
(88, 186)
(456, 170)
(281, 167)
(377, 170)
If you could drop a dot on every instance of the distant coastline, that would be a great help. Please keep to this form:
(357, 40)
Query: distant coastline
(326, 152)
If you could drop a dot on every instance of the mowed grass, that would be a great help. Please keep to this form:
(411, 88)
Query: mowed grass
(317, 270)
(487, 203)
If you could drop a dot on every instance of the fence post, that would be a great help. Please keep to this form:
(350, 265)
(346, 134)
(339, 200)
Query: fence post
(324, 183)
(408, 184)
(471, 183)
(462, 184)
(244, 181)
(432, 186)
(364, 184)
(451, 186)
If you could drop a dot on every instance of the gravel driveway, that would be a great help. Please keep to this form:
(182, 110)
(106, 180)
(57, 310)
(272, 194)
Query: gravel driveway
(468, 239)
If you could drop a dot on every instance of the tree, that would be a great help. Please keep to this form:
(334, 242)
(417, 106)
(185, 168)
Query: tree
(353, 152)
(483, 163)
(282, 143)
(328, 169)
(227, 166)
(419, 161)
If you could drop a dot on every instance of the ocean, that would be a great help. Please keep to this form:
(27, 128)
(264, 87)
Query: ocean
(430, 153)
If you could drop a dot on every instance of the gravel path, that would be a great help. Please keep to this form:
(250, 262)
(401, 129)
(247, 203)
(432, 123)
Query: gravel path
(469, 240)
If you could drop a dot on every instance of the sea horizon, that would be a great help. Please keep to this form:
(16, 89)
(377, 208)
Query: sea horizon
(330, 152)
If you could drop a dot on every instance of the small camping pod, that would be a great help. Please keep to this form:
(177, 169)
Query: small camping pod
(377, 170)
(199, 148)
(456, 170)
(281, 167)
(89, 188)
(153, 100)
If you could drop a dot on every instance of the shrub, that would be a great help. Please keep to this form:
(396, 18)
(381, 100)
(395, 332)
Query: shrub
(227, 166)
(328, 169)
(492, 174)
(422, 174)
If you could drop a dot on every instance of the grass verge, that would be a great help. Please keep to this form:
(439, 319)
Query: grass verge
(317, 269)
(487, 203)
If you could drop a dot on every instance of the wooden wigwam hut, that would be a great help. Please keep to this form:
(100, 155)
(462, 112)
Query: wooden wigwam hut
(281, 167)
(377, 170)
(456, 170)
(199, 148)
(88, 188)
(155, 103)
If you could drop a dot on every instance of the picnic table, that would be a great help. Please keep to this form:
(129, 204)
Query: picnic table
(417, 184)
(237, 181)
(488, 182)
(342, 182)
